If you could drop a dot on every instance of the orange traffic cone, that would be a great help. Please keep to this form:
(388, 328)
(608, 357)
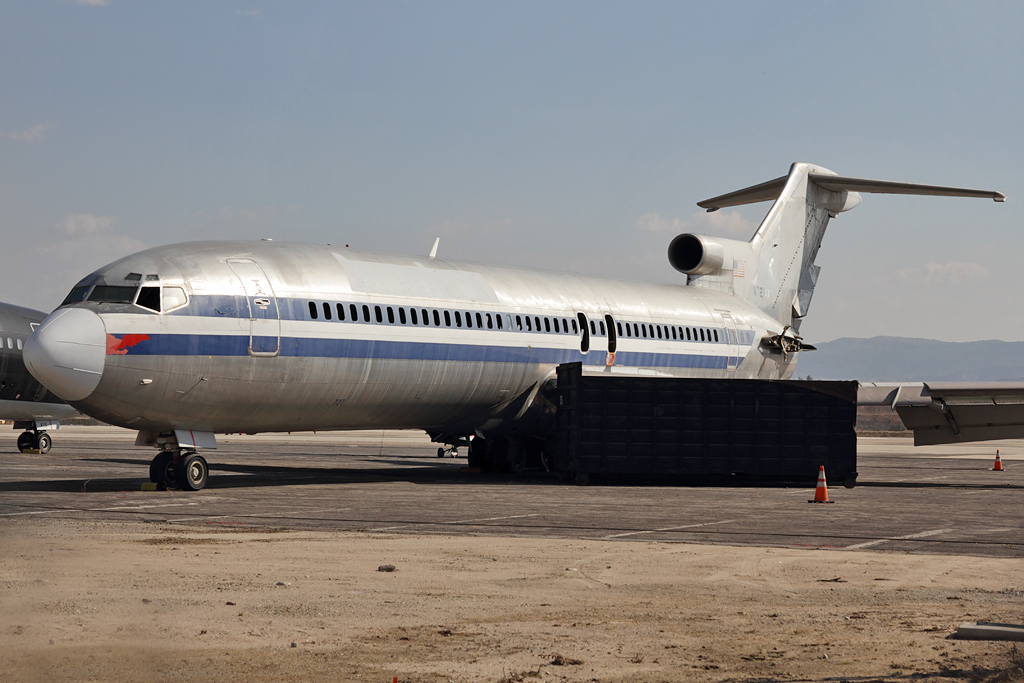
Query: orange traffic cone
(998, 467)
(821, 490)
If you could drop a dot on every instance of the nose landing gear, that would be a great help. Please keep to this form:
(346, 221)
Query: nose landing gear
(34, 441)
(185, 470)
(177, 465)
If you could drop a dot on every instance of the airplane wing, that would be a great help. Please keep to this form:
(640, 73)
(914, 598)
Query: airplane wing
(952, 412)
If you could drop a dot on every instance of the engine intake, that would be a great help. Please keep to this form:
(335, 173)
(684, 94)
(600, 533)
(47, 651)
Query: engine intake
(696, 254)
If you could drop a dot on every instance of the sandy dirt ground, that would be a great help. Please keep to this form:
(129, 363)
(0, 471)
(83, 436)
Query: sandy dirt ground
(137, 601)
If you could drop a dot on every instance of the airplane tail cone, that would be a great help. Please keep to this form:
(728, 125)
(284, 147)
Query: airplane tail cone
(998, 467)
(821, 490)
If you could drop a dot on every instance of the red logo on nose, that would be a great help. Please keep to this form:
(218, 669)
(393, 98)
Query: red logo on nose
(119, 347)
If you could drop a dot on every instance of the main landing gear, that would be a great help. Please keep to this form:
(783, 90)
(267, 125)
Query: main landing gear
(34, 441)
(181, 469)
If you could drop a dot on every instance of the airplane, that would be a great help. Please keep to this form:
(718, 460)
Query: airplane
(22, 398)
(185, 341)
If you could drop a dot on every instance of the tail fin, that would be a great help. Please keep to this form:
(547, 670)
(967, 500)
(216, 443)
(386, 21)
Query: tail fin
(780, 275)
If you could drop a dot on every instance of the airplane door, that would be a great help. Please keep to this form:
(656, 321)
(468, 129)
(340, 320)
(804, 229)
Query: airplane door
(732, 338)
(584, 332)
(264, 317)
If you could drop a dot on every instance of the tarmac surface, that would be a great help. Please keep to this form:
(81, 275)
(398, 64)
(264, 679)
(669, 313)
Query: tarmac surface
(937, 499)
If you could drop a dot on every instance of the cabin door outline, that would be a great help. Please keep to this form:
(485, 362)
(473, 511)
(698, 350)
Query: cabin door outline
(264, 314)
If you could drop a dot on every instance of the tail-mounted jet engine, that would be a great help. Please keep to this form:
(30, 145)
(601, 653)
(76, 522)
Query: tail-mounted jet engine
(696, 254)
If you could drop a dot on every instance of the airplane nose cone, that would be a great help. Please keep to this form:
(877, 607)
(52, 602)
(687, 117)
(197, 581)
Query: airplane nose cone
(67, 352)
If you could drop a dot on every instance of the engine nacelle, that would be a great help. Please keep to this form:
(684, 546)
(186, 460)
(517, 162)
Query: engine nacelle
(696, 254)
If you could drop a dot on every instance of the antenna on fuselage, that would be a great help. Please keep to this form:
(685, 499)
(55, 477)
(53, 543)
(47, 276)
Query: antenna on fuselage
(433, 249)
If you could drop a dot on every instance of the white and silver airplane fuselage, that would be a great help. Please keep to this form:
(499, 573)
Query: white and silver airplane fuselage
(280, 336)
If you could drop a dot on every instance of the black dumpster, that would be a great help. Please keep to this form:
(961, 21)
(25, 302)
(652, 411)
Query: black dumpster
(722, 430)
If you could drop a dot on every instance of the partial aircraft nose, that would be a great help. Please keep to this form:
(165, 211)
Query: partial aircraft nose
(67, 352)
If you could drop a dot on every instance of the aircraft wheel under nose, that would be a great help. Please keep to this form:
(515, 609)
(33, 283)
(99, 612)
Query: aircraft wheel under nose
(43, 442)
(26, 441)
(191, 472)
(161, 469)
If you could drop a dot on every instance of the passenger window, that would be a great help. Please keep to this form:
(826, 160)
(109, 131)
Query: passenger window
(600, 324)
(149, 297)
(391, 315)
(658, 327)
(629, 331)
(565, 326)
(554, 321)
(702, 334)
(19, 345)
(312, 310)
(519, 322)
(575, 329)
(469, 319)
(480, 321)
(529, 324)
(716, 334)
(10, 342)
(354, 312)
(448, 319)
(174, 297)
(458, 319)
(643, 328)
(673, 332)
(413, 317)
(327, 311)
(593, 328)
(618, 327)
(536, 322)
(497, 319)
(341, 311)
(401, 315)
(490, 325)
(378, 314)
(547, 324)
(437, 318)
(426, 318)
(366, 313)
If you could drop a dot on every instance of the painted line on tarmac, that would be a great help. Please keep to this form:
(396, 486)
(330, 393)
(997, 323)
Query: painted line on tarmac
(263, 515)
(669, 528)
(458, 521)
(115, 509)
(921, 534)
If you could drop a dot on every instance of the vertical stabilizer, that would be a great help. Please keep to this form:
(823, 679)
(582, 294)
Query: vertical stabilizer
(775, 271)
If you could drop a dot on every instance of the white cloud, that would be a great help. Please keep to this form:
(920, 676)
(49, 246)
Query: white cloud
(85, 224)
(724, 223)
(943, 274)
(33, 134)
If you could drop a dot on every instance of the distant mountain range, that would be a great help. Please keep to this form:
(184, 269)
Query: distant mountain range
(902, 359)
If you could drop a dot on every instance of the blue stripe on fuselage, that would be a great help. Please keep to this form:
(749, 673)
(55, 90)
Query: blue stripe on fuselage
(305, 347)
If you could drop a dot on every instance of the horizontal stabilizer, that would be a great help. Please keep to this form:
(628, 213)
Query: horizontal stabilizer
(765, 192)
(837, 183)
(770, 191)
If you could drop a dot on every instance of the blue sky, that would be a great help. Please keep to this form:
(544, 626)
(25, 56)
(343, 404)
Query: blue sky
(569, 135)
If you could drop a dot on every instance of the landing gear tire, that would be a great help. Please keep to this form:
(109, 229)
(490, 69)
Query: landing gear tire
(850, 480)
(582, 478)
(43, 442)
(161, 470)
(191, 472)
(440, 452)
(26, 441)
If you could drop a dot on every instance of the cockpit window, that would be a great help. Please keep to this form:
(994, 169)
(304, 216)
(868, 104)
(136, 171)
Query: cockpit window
(112, 294)
(149, 297)
(174, 297)
(76, 295)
